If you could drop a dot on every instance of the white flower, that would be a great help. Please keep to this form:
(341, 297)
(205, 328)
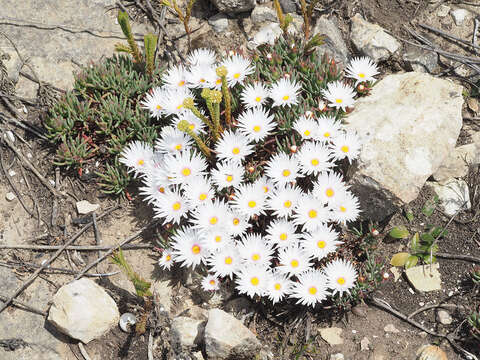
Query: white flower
(284, 200)
(154, 187)
(166, 260)
(238, 223)
(184, 166)
(211, 216)
(188, 248)
(172, 141)
(282, 233)
(256, 124)
(225, 262)
(216, 239)
(310, 289)
(339, 95)
(314, 158)
(345, 207)
(327, 128)
(201, 76)
(306, 127)
(278, 286)
(199, 192)
(175, 77)
(361, 69)
(320, 242)
(152, 102)
(310, 213)
(172, 100)
(346, 145)
(210, 283)
(282, 169)
(252, 280)
(341, 276)
(265, 184)
(238, 68)
(293, 260)
(171, 207)
(227, 174)
(328, 186)
(202, 56)
(249, 200)
(233, 147)
(255, 251)
(254, 95)
(285, 92)
(195, 124)
(138, 156)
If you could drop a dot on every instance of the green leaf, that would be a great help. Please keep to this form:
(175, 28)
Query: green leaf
(411, 261)
(409, 216)
(415, 242)
(399, 232)
(399, 259)
(428, 238)
(438, 232)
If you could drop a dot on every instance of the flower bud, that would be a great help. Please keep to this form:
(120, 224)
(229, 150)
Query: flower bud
(188, 102)
(183, 125)
(251, 169)
(293, 149)
(215, 96)
(221, 71)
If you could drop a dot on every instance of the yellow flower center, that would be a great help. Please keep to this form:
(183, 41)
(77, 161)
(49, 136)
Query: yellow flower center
(178, 147)
(228, 260)
(341, 280)
(287, 204)
(218, 82)
(277, 286)
(344, 148)
(326, 134)
(254, 281)
(265, 189)
(236, 76)
(196, 249)
(329, 192)
(202, 80)
(312, 290)
(212, 282)
(191, 126)
(294, 263)
(235, 150)
(321, 244)
(314, 162)
(186, 171)
(306, 133)
(140, 162)
(256, 128)
(286, 97)
(158, 107)
(312, 214)
(283, 236)
(252, 204)
(361, 75)
(236, 221)
(176, 206)
(343, 208)
(286, 172)
(338, 101)
(202, 196)
(213, 220)
(218, 238)
(229, 178)
(168, 257)
(161, 189)
(258, 99)
(181, 83)
(179, 106)
(255, 257)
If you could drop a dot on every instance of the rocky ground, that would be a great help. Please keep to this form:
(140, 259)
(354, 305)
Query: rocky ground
(421, 124)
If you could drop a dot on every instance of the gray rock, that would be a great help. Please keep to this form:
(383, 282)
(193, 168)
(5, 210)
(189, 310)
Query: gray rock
(263, 14)
(390, 328)
(421, 60)
(83, 310)
(10, 196)
(218, 22)
(443, 10)
(372, 40)
(334, 44)
(227, 337)
(288, 6)
(425, 277)
(459, 16)
(84, 207)
(453, 195)
(456, 163)
(444, 317)
(233, 6)
(332, 335)
(393, 165)
(186, 333)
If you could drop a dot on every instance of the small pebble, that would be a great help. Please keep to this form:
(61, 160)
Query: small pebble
(29, 155)
(443, 10)
(354, 331)
(444, 317)
(10, 196)
(338, 356)
(450, 293)
(51, 182)
(411, 291)
(421, 303)
(364, 344)
(390, 328)
(9, 136)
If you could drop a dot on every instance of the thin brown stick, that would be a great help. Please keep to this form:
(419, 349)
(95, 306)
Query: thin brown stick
(74, 247)
(458, 257)
(435, 306)
(52, 270)
(24, 306)
(23, 125)
(448, 36)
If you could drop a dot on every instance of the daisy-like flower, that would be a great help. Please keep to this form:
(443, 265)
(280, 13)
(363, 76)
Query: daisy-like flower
(311, 288)
(314, 158)
(285, 92)
(256, 124)
(282, 233)
(345, 207)
(249, 200)
(283, 200)
(211, 216)
(216, 239)
(172, 141)
(138, 156)
(346, 145)
(321, 242)
(154, 188)
(361, 69)
(255, 251)
(282, 169)
(254, 95)
(327, 128)
(310, 213)
(202, 56)
(306, 127)
(293, 260)
(265, 184)
(152, 102)
(184, 166)
(238, 223)
(175, 77)
(328, 186)
(233, 147)
(227, 174)
(252, 280)
(278, 286)
(199, 192)
(210, 283)
(172, 100)
(166, 260)
(195, 124)
(339, 95)
(238, 68)
(171, 207)
(188, 248)
(341, 276)
(225, 262)
(201, 76)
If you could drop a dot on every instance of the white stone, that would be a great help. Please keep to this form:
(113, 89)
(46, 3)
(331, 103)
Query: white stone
(9, 136)
(443, 10)
(338, 356)
(454, 196)
(10, 196)
(456, 163)
(364, 344)
(263, 14)
(393, 165)
(444, 317)
(267, 34)
(227, 337)
(218, 22)
(332, 335)
(186, 332)
(425, 277)
(85, 207)
(390, 328)
(83, 310)
(11, 173)
(372, 40)
(459, 16)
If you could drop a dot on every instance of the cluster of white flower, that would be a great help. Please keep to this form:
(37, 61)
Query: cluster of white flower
(213, 204)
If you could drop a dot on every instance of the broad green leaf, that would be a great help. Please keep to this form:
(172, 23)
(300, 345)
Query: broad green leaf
(411, 261)
(415, 242)
(438, 232)
(399, 259)
(428, 238)
(399, 232)
(428, 259)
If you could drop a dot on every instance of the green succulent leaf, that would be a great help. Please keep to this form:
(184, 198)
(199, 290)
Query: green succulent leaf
(399, 232)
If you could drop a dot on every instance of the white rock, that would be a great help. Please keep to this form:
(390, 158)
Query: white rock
(227, 337)
(338, 356)
(332, 335)
(234, 6)
(263, 14)
(10, 196)
(267, 34)
(425, 277)
(393, 165)
(11, 173)
(85, 207)
(454, 196)
(186, 332)
(443, 10)
(218, 22)
(364, 344)
(390, 328)
(459, 16)
(444, 317)
(456, 163)
(83, 310)
(372, 40)
(396, 273)
(9, 136)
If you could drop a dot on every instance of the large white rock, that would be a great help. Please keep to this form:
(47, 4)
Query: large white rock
(453, 195)
(83, 310)
(408, 125)
(227, 338)
(186, 332)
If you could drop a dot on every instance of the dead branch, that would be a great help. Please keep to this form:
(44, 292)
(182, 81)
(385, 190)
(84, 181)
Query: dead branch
(75, 247)
(52, 270)
(24, 306)
(458, 257)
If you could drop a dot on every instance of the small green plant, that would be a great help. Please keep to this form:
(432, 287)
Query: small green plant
(474, 322)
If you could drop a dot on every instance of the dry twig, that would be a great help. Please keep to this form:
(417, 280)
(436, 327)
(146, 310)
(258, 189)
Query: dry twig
(53, 270)
(74, 247)
(24, 306)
